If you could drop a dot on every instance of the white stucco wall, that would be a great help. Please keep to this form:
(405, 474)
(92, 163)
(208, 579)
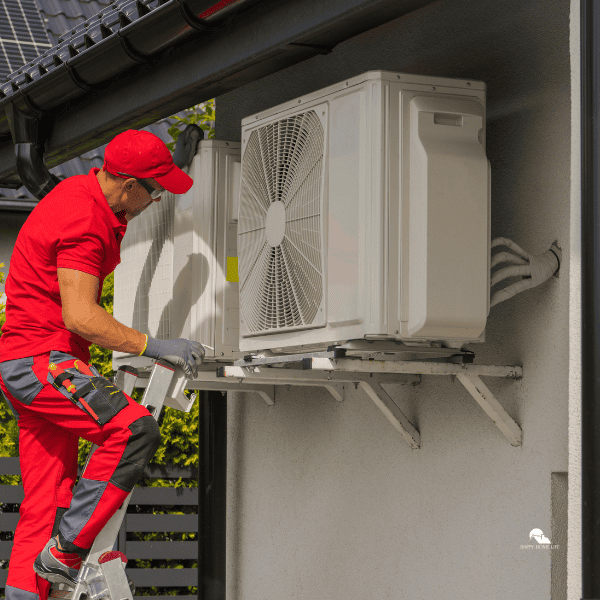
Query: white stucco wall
(326, 501)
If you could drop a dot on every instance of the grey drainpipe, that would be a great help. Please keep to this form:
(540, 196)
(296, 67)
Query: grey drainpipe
(590, 301)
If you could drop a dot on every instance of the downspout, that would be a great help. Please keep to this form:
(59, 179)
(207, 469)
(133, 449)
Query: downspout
(28, 139)
(590, 301)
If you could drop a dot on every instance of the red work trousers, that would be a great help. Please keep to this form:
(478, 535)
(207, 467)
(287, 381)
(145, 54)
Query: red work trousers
(50, 425)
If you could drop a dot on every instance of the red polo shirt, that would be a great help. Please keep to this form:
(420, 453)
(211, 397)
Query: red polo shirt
(72, 227)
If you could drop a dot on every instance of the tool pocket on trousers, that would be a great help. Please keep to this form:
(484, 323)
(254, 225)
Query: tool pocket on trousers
(104, 399)
(95, 395)
(20, 380)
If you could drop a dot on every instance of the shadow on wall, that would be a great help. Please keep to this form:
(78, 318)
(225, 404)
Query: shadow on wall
(142, 298)
(172, 323)
(182, 288)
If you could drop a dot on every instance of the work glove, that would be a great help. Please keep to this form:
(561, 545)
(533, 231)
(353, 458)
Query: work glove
(182, 353)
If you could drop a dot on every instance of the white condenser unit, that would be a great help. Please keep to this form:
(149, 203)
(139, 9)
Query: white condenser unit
(178, 271)
(365, 214)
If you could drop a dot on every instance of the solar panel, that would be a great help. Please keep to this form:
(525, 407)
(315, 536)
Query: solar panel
(22, 35)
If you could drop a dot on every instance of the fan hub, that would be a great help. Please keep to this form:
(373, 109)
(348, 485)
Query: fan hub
(275, 223)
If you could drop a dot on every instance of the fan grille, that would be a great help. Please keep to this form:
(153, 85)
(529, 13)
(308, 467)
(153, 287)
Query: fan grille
(281, 281)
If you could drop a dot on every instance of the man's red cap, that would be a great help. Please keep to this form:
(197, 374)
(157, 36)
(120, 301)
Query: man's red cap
(143, 155)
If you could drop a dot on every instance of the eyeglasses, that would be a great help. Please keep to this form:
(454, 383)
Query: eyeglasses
(154, 193)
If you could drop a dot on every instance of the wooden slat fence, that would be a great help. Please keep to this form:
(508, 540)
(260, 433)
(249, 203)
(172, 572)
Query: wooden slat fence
(151, 550)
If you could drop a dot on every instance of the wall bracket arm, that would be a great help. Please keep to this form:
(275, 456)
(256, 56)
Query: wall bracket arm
(494, 410)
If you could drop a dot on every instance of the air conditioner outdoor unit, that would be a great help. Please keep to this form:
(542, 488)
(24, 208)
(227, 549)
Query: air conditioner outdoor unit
(365, 214)
(178, 271)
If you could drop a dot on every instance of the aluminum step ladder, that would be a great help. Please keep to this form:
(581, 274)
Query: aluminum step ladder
(105, 578)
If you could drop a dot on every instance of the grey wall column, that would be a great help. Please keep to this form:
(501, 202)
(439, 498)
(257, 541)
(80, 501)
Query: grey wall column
(590, 278)
(212, 489)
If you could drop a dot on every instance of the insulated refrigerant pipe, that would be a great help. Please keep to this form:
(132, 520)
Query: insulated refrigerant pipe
(590, 301)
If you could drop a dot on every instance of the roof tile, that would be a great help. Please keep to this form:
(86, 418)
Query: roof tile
(60, 16)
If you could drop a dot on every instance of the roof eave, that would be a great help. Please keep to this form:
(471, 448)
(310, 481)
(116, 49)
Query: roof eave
(272, 35)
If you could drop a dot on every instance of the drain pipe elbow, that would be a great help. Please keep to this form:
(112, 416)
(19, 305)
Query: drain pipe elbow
(33, 172)
(26, 130)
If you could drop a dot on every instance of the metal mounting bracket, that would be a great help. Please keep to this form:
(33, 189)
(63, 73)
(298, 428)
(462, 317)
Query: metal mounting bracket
(494, 410)
(393, 414)
(335, 382)
(208, 380)
(328, 372)
(334, 372)
(416, 367)
(467, 374)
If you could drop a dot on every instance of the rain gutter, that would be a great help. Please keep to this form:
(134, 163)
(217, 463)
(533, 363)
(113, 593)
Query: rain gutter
(82, 101)
(127, 33)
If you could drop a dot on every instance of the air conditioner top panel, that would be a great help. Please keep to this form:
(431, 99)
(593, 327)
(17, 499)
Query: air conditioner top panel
(405, 78)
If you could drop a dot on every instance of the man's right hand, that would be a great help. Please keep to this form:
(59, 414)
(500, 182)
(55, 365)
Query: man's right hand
(182, 353)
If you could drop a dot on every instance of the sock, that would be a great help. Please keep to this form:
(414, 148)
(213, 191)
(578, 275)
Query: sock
(69, 559)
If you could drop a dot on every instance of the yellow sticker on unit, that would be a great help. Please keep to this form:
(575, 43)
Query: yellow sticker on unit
(232, 269)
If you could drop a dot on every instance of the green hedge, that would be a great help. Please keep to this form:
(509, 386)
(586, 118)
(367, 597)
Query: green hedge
(9, 432)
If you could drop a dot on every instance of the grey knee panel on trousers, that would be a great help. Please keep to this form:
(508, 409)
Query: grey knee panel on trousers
(20, 380)
(13, 593)
(85, 500)
(141, 447)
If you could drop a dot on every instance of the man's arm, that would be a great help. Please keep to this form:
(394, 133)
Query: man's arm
(82, 314)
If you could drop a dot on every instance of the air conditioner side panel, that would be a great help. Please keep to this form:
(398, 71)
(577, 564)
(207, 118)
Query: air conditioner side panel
(346, 205)
(214, 312)
(204, 248)
(227, 330)
(183, 259)
(448, 222)
(357, 208)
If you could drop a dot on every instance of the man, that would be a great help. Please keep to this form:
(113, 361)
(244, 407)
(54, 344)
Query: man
(68, 245)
